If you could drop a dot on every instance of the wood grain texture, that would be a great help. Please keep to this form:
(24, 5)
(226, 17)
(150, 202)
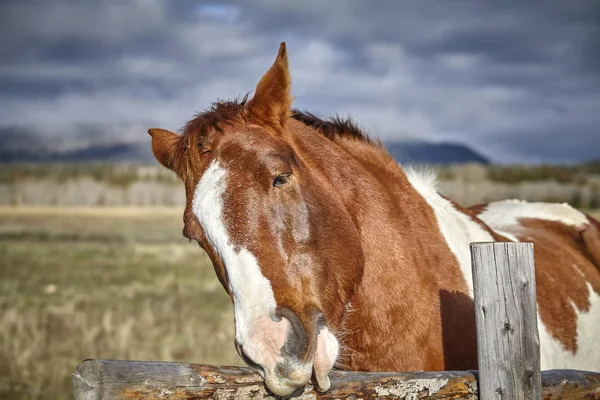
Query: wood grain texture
(508, 349)
(136, 380)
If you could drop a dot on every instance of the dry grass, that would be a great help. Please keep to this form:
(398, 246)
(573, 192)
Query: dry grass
(105, 284)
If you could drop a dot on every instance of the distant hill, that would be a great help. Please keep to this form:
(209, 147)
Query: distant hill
(22, 145)
(27, 145)
(434, 153)
(100, 152)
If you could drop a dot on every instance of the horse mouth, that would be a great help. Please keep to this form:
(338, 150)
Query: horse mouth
(284, 378)
(287, 378)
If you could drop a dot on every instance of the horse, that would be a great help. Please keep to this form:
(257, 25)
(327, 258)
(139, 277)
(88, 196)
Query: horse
(335, 256)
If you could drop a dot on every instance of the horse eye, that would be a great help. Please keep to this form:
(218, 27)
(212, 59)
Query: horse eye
(281, 179)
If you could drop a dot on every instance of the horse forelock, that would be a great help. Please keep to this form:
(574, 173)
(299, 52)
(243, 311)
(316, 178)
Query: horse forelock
(195, 135)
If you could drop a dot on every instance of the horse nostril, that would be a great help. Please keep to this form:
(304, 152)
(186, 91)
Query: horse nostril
(296, 344)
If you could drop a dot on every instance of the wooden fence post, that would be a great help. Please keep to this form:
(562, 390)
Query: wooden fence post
(505, 312)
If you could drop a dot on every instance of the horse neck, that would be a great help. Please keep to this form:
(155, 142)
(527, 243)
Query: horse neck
(392, 209)
(408, 263)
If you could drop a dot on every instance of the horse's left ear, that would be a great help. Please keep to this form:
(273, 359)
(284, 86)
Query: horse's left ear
(272, 101)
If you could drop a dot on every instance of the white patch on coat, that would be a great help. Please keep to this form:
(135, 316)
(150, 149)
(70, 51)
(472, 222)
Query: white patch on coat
(555, 356)
(502, 214)
(252, 292)
(510, 236)
(458, 229)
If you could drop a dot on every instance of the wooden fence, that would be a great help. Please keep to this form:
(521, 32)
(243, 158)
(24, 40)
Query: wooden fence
(508, 355)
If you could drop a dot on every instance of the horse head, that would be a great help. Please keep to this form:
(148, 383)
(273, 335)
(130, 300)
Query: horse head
(263, 204)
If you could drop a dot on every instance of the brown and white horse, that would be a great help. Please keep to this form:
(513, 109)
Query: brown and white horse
(335, 256)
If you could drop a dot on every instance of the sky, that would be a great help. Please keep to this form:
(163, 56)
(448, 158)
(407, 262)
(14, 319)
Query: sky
(517, 80)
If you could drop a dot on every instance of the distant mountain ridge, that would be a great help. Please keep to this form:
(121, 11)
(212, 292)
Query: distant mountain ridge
(26, 146)
(101, 152)
(434, 153)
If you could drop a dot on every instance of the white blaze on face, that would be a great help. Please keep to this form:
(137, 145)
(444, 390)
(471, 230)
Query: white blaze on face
(254, 302)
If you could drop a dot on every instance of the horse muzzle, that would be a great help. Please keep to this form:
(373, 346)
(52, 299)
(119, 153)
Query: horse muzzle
(278, 349)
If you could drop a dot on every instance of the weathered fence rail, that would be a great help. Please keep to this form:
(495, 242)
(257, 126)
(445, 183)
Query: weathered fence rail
(135, 380)
(508, 354)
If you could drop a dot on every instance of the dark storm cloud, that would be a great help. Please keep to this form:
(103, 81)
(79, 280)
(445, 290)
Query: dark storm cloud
(518, 80)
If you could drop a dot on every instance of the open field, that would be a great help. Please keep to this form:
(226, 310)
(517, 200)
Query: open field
(102, 283)
(121, 283)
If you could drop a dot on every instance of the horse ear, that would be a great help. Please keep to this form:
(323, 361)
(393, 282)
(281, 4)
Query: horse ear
(272, 99)
(163, 146)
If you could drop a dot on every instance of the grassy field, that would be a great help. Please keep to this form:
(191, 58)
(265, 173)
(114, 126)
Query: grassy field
(105, 283)
(80, 283)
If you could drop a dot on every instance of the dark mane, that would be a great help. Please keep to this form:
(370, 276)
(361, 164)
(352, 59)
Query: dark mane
(332, 127)
(225, 112)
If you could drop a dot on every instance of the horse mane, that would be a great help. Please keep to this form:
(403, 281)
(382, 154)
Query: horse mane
(333, 127)
(224, 112)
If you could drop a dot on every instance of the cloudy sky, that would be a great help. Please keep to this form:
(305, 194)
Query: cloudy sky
(519, 81)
